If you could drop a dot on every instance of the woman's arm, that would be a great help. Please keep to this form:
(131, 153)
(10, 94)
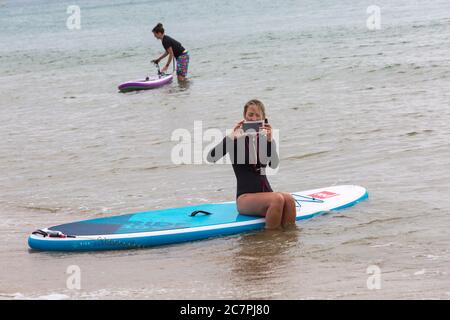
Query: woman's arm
(226, 145)
(271, 151)
(220, 150)
(272, 154)
(160, 58)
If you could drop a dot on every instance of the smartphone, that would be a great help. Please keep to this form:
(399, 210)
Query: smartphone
(252, 126)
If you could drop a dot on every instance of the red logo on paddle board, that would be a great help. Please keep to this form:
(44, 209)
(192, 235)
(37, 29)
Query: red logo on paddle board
(323, 195)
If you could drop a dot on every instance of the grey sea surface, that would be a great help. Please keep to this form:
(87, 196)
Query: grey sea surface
(353, 106)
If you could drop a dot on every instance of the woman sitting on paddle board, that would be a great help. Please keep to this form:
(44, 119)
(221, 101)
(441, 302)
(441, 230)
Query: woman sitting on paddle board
(254, 195)
(173, 49)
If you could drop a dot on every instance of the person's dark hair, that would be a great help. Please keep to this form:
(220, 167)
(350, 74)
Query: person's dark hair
(158, 28)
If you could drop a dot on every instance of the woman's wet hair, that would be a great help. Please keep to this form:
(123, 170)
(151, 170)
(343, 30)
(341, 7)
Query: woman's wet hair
(259, 104)
(158, 28)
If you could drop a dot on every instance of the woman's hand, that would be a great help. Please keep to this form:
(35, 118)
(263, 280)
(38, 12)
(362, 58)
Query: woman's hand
(164, 69)
(237, 130)
(268, 129)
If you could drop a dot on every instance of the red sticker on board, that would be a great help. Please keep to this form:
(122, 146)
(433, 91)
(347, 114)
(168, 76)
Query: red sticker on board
(323, 195)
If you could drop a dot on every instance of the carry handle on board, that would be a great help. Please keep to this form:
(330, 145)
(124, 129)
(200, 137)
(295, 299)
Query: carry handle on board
(194, 213)
(51, 234)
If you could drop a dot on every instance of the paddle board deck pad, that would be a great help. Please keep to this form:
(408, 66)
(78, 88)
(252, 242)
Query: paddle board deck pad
(150, 83)
(175, 225)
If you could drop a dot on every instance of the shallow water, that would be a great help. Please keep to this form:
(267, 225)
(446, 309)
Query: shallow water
(354, 106)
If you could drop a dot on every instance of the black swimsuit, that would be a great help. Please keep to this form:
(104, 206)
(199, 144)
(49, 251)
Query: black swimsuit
(248, 168)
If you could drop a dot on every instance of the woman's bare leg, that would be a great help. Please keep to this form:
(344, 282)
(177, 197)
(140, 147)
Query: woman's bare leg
(289, 210)
(266, 204)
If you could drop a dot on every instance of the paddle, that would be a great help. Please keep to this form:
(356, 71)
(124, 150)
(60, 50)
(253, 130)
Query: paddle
(160, 74)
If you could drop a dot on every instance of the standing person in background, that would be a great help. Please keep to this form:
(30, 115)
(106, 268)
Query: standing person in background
(173, 49)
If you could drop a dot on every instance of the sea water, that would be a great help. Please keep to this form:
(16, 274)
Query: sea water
(354, 102)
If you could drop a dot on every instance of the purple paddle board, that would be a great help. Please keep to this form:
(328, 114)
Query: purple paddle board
(152, 82)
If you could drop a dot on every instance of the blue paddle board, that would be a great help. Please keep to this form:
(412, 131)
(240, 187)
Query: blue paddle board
(175, 225)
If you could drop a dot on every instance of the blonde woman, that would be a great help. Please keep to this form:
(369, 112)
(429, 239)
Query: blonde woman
(254, 194)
